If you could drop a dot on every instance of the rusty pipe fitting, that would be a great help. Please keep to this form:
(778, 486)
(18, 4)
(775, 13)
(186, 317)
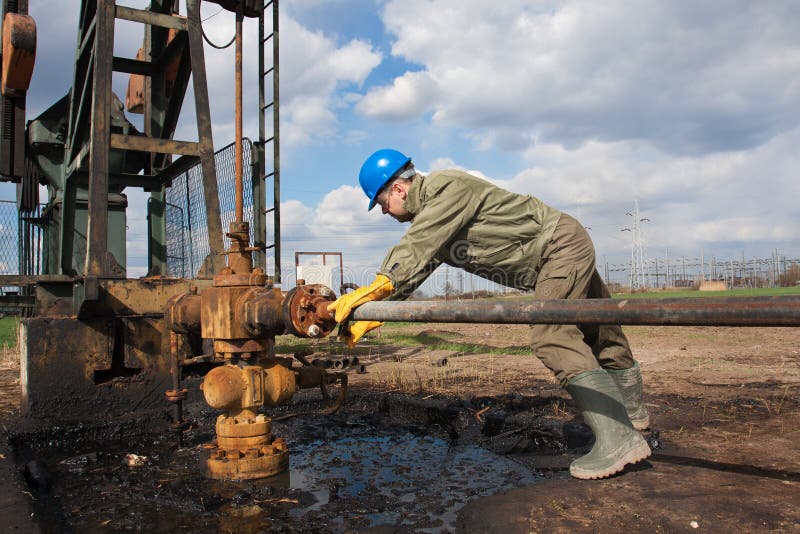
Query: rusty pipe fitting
(305, 312)
(223, 387)
(280, 383)
(321, 310)
(252, 311)
(259, 310)
(231, 387)
(245, 447)
(182, 313)
(240, 258)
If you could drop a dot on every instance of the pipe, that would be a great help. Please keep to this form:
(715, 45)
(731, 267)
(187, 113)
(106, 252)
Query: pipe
(176, 395)
(276, 141)
(693, 311)
(238, 184)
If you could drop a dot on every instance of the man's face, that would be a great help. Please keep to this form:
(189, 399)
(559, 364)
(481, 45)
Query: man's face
(392, 203)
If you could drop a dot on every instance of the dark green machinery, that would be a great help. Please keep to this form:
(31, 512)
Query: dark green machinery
(66, 213)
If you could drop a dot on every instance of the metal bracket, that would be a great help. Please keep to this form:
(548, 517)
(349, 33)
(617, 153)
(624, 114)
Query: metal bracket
(83, 291)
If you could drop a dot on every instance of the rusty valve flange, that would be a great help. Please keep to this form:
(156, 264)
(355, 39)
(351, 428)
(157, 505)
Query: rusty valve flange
(246, 449)
(177, 395)
(305, 313)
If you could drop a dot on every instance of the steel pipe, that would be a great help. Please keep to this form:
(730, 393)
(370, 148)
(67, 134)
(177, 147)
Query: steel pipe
(238, 154)
(692, 311)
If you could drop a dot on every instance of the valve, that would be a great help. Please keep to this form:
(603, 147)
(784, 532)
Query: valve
(305, 311)
(242, 316)
(245, 447)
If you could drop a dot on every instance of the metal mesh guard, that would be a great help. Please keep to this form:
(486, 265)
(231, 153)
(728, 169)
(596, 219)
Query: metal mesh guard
(187, 233)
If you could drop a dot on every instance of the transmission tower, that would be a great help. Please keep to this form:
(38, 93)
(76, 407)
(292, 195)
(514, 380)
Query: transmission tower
(640, 275)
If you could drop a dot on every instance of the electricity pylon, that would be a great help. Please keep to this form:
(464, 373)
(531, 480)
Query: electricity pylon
(640, 275)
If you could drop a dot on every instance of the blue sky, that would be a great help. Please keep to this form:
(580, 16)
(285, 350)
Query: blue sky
(691, 108)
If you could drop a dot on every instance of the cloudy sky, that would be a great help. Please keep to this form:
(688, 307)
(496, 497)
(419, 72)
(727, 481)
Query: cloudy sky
(691, 108)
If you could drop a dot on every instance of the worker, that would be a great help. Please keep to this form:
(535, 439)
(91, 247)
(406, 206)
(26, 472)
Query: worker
(518, 241)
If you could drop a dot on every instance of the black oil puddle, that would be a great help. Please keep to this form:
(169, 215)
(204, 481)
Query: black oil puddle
(349, 472)
(397, 478)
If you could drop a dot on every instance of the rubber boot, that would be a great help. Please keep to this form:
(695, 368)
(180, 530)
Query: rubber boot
(616, 443)
(629, 382)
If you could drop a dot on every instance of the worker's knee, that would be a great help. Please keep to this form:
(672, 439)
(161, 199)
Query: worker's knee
(561, 349)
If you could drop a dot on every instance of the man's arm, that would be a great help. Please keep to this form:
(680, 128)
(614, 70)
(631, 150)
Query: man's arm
(449, 207)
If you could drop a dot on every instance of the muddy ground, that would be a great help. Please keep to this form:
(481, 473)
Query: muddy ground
(481, 444)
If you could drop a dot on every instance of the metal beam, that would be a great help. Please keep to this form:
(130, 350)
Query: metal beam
(173, 50)
(149, 17)
(179, 166)
(132, 66)
(152, 144)
(147, 182)
(171, 111)
(693, 311)
(206, 145)
(79, 113)
(7, 280)
(97, 261)
(155, 104)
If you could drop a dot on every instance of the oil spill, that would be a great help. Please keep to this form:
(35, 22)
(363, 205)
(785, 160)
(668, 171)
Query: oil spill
(398, 478)
(352, 471)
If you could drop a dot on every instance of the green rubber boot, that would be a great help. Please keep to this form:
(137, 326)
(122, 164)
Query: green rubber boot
(616, 443)
(629, 382)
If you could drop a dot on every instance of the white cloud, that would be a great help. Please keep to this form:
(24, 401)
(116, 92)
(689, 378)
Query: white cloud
(439, 164)
(408, 96)
(445, 163)
(313, 67)
(737, 229)
(340, 222)
(723, 200)
(342, 214)
(688, 77)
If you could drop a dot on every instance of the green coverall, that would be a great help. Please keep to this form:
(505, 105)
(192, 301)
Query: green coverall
(514, 240)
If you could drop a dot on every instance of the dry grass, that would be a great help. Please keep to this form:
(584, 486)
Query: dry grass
(461, 376)
(9, 356)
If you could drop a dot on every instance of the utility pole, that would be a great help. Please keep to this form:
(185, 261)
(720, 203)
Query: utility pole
(640, 277)
(446, 281)
(683, 270)
(702, 266)
(656, 272)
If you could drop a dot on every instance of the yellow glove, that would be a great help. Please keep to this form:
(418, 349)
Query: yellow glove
(357, 330)
(344, 305)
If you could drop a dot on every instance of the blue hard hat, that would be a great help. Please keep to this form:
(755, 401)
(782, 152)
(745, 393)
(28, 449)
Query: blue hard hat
(379, 168)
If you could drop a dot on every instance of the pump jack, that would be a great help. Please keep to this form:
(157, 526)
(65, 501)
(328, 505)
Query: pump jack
(101, 344)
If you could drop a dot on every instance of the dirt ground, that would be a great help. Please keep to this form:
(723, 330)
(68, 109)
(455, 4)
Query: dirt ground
(725, 428)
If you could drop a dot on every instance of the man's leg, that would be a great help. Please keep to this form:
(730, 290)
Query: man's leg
(613, 353)
(567, 273)
(608, 342)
